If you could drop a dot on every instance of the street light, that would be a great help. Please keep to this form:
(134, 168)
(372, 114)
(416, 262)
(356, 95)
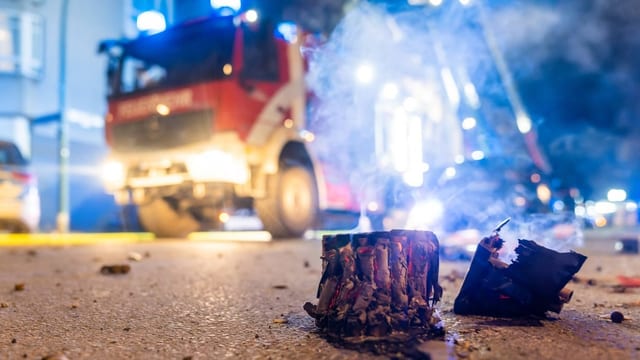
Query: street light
(524, 123)
(477, 155)
(616, 195)
(468, 123)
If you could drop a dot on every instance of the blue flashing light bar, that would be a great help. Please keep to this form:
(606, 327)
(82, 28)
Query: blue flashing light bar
(288, 31)
(151, 21)
(226, 5)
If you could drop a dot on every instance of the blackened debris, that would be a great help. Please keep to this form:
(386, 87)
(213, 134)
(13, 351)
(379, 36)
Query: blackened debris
(617, 317)
(532, 284)
(375, 284)
(618, 289)
(18, 287)
(115, 269)
(396, 346)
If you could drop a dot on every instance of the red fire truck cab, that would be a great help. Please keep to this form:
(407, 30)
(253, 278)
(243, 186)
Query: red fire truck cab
(210, 115)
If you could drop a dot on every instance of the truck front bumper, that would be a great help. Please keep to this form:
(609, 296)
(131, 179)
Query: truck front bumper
(221, 161)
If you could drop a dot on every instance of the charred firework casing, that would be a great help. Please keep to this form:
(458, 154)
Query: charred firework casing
(531, 285)
(376, 283)
(398, 263)
(331, 270)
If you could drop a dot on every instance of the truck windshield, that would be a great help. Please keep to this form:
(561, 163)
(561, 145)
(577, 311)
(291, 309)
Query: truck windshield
(189, 53)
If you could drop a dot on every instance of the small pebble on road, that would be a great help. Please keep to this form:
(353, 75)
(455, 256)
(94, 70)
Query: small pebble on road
(115, 269)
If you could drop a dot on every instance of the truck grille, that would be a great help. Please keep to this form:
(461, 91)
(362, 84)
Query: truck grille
(163, 132)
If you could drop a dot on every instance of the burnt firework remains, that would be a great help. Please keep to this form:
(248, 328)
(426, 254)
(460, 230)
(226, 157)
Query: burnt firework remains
(377, 283)
(532, 284)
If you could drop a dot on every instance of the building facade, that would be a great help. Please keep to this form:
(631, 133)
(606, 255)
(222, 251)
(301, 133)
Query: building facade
(49, 68)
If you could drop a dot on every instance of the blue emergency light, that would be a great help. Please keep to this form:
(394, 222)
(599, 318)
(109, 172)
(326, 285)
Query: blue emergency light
(288, 31)
(151, 21)
(226, 7)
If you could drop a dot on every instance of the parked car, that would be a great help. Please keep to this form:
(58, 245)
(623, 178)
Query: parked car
(19, 196)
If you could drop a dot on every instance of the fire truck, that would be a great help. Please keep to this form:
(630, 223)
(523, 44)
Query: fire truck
(213, 115)
(209, 116)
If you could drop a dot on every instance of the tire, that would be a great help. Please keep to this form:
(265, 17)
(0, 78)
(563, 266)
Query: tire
(162, 220)
(290, 206)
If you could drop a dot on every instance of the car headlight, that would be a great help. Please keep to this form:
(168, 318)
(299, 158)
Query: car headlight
(113, 175)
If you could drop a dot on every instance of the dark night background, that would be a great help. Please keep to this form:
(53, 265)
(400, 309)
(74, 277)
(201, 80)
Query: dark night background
(575, 64)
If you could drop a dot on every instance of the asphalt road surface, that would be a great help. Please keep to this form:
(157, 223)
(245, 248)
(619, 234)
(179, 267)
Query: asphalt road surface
(204, 300)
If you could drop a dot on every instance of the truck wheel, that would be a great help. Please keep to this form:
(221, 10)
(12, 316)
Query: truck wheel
(162, 220)
(290, 206)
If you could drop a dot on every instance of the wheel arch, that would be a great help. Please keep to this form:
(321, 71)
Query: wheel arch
(285, 148)
(295, 153)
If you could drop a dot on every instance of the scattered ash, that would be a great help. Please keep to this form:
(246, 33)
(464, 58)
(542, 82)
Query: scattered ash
(398, 345)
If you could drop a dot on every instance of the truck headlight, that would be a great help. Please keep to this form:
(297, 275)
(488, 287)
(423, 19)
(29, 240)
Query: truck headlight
(113, 175)
(216, 165)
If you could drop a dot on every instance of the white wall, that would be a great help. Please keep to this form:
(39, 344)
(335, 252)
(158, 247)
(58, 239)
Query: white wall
(16, 129)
